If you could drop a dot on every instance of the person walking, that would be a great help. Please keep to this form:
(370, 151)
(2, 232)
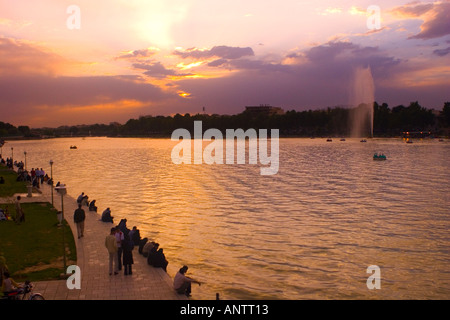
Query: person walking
(20, 216)
(78, 217)
(111, 246)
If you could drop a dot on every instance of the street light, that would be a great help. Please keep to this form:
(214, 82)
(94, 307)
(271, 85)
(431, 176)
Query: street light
(61, 189)
(12, 156)
(51, 177)
(25, 153)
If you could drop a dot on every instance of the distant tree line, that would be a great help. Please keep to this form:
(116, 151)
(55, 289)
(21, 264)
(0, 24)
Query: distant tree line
(325, 122)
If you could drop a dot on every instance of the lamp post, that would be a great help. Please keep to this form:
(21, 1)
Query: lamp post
(12, 156)
(51, 176)
(25, 153)
(61, 189)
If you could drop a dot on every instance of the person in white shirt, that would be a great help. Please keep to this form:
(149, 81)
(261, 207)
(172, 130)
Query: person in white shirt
(182, 283)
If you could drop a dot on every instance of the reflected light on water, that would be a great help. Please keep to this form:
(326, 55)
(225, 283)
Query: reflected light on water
(308, 232)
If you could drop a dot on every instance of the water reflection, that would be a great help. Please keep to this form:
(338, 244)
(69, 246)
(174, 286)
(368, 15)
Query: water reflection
(308, 232)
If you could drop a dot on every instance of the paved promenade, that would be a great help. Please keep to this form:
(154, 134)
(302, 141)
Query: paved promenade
(146, 282)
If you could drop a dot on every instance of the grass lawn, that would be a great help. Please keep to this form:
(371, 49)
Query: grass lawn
(11, 186)
(34, 249)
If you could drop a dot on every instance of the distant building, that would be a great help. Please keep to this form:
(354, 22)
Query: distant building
(264, 109)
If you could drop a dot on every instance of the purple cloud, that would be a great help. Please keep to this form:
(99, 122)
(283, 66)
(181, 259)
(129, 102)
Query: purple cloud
(324, 78)
(143, 53)
(442, 52)
(157, 70)
(224, 52)
(438, 25)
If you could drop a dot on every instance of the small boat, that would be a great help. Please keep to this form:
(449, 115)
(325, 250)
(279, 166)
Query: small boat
(73, 147)
(342, 139)
(329, 140)
(380, 156)
(363, 140)
(409, 141)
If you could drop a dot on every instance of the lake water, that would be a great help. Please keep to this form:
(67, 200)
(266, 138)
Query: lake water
(308, 232)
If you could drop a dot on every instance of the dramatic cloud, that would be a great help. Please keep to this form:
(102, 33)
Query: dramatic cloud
(224, 52)
(436, 17)
(34, 84)
(438, 25)
(109, 71)
(321, 75)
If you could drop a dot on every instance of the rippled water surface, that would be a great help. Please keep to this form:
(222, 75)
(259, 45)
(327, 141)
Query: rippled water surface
(308, 232)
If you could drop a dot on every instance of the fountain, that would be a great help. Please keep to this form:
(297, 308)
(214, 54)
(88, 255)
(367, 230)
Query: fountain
(362, 98)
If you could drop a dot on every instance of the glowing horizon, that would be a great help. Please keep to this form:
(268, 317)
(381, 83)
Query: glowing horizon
(146, 57)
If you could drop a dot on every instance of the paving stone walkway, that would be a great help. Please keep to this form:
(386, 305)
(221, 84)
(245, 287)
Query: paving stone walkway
(146, 282)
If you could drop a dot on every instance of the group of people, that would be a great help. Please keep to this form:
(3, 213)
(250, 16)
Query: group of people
(20, 215)
(154, 254)
(120, 247)
(36, 176)
(4, 214)
(120, 243)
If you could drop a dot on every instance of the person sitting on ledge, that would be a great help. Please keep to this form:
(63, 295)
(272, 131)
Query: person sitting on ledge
(106, 216)
(80, 198)
(152, 249)
(92, 206)
(135, 236)
(123, 226)
(182, 284)
(159, 260)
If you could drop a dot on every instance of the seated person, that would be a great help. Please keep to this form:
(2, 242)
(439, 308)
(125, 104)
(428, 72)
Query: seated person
(5, 213)
(159, 260)
(182, 284)
(2, 215)
(106, 216)
(142, 243)
(85, 201)
(152, 253)
(8, 284)
(147, 248)
(80, 197)
(123, 226)
(92, 206)
(135, 236)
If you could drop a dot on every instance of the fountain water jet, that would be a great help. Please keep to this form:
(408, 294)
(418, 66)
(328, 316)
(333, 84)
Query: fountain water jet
(362, 98)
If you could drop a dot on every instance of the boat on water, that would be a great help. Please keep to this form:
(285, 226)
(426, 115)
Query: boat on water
(342, 139)
(363, 140)
(73, 147)
(379, 156)
(329, 140)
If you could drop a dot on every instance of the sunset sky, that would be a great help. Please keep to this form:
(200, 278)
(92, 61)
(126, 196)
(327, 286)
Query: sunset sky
(130, 58)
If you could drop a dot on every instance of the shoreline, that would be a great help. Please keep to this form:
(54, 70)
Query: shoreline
(146, 282)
